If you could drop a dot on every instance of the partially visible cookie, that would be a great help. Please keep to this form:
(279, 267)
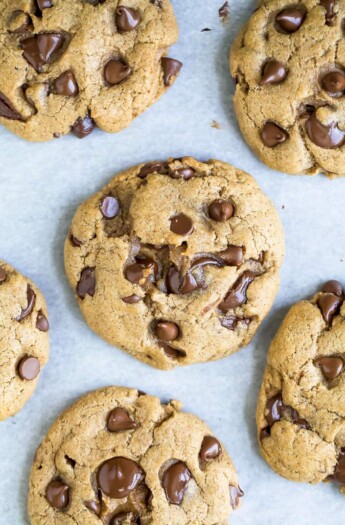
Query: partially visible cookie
(71, 65)
(301, 409)
(176, 262)
(120, 456)
(24, 340)
(288, 62)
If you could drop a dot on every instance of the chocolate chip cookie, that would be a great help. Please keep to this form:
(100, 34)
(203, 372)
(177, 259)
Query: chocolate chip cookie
(24, 340)
(301, 409)
(71, 65)
(289, 65)
(120, 456)
(176, 262)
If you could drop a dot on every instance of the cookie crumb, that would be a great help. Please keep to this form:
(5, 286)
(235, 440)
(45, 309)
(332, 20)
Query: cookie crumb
(206, 29)
(215, 124)
(224, 11)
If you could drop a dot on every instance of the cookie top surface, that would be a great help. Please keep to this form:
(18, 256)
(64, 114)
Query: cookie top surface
(289, 97)
(73, 64)
(24, 339)
(176, 262)
(301, 409)
(120, 456)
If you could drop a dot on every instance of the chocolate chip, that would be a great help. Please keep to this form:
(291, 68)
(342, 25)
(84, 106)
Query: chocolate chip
(331, 367)
(232, 255)
(171, 68)
(274, 409)
(210, 449)
(66, 85)
(166, 331)
(273, 72)
(38, 50)
(237, 295)
(175, 482)
(31, 297)
(206, 260)
(330, 15)
(334, 83)
(339, 472)
(132, 299)
(87, 283)
(119, 420)
(183, 173)
(127, 18)
(83, 127)
(188, 284)
(75, 242)
(290, 19)
(3, 275)
(7, 109)
(22, 18)
(221, 210)
(153, 167)
(334, 287)
(93, 506)
(231, 322)
(42, 323)
(326, 137)
(173, 353)
(134, 273)
(118, 477)
(29, 368)
(329, 305)
(123, 517)
(57, 494)
(44, 4)
(272, 135)
(115, 71)
(173, 280)
(181, 225)
(235, 494)
(110, 207)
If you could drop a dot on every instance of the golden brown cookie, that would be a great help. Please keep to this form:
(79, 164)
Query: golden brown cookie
(176, 262)
(118, 456)
(288, 62)
(301, 409)
(71, 65)
(24, 340)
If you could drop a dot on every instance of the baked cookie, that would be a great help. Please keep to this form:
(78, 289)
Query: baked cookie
(176, 262)
(118, 456)
(289, 64)
(24, 340)
(71, 65)
(301, 409)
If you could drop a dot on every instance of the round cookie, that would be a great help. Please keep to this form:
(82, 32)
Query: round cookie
(301, 408)
(288, 62)
(71, 65)
(120, 456)
(176, 262)
(24, 339)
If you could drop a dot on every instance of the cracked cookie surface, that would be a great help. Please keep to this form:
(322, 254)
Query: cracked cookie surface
(120, 456)
(301, 408)
(176, 262)
(24, 339)
(289, 65)
(71, 65)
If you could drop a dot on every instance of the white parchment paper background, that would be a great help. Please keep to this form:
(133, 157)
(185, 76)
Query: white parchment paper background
(40, 188)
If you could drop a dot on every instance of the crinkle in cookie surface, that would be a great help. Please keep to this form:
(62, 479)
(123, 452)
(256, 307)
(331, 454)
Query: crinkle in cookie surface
(289, 62)
(301, 408)
(118, 456)
(176, 262)
(73, 64)
(24, 339)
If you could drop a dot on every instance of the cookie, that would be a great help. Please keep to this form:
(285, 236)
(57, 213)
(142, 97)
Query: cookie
(176, 262)
(289, 100)
(301, 408)
(71, 65)
(24, 339)
(118, 456)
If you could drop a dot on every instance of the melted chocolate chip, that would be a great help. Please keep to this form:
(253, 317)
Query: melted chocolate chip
(110, 207)
(3, 275)
(275, 410)
(153, 167)
(331, 367)
(66, 85)
(75, 242)
(42, 323)
(334, 287)
(183, 173)
(339, 472)
(166, 331)
(237, 295)
(134, 273)
(44, 4)
(171, 68)
(119, 420)
(29, 368)
(272, 135)
(330, 15)
(31, 297)
(7, 109)
(83, 127)
(232, 255)
(175, 482)
(329, 305)
(115, 72)
(173, 353)
(220, 210)
(334, 83)
(87, 283)
(188, 284)
(273, 72)
(181, 225)
(173, 280)
(22, 18)
(132, 299)
(93, 506)
(290, 19)
(210, 449)
(57, 494)
(119, 476)
(326, 137)
(38, 50)
(127, 18)
(231, 322)
(235, 494)
(206, 260)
